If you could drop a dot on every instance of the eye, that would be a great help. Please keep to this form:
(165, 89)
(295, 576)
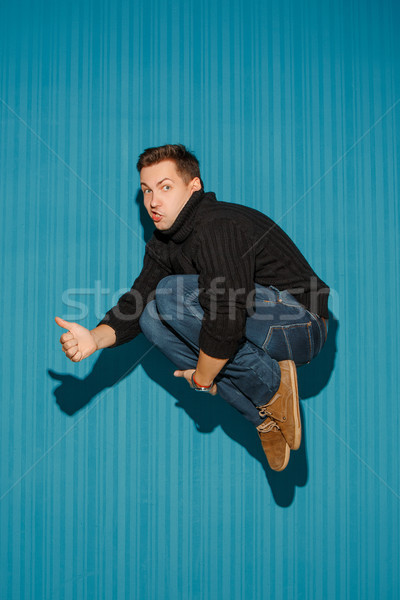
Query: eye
(166, 186)
(145, 191)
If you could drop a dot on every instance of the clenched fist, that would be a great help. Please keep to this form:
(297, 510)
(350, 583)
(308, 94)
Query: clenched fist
(78, 343)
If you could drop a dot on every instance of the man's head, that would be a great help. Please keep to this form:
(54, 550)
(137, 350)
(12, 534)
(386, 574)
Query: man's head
(168, 177)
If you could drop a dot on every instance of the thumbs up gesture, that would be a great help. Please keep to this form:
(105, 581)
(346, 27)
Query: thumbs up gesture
(78, 343)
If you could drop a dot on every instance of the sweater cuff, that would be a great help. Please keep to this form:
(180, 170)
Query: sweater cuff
(122, 335)
(217, 348)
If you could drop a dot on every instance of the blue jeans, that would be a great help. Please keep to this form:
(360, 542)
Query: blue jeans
(278, 328)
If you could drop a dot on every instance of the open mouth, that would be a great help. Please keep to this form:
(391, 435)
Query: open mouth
(155, 216)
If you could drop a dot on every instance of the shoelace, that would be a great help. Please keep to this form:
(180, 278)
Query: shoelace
(263, 411)
(266, 427)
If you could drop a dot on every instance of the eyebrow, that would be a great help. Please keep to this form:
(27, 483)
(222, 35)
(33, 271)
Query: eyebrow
(158, 183)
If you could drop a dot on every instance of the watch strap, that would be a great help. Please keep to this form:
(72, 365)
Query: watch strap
(200, 388)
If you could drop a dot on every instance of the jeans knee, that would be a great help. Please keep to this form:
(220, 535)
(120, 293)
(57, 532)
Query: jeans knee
(166, 283)
(166, 294)
(171, 293)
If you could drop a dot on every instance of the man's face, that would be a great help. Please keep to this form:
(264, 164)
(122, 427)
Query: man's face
(165, 193)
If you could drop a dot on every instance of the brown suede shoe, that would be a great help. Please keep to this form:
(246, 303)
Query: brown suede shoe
(274, 445)
(284, 405)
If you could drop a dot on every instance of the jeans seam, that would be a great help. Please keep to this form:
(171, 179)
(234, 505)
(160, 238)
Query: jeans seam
(272, 327)
(320, 331)
(289, 347)
(312, 349)
(287, 304)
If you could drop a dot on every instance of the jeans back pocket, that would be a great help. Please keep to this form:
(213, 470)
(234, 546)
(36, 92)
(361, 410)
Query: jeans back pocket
(290, 342)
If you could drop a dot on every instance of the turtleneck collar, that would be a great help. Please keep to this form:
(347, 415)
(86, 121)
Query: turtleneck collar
(183, 223)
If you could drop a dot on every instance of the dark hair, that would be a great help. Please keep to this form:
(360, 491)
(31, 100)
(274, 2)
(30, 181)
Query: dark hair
(186, 163)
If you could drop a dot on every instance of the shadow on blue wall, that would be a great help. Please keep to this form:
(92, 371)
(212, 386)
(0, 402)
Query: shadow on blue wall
(207, 412)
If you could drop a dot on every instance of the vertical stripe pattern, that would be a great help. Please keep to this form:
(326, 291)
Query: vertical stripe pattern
(115, 482)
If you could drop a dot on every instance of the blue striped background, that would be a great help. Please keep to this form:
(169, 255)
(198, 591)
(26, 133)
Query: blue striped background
(115, 481)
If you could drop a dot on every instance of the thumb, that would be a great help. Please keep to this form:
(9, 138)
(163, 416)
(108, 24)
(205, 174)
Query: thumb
(62, 323)
(178, 373)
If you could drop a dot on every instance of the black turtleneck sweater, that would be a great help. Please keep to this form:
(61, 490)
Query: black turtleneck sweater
(220, 239)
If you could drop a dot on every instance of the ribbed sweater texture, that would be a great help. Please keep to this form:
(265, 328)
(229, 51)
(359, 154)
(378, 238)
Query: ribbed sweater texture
(236, 244)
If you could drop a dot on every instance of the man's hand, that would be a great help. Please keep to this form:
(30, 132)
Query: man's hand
(188, 374)
(78, 343)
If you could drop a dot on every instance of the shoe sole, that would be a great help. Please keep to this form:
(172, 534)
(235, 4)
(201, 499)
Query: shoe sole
(287, 456)
(296, 407)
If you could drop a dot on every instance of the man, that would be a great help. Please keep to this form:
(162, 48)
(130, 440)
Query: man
(225, 294)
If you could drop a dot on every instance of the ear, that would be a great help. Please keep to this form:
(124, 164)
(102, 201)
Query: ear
(195, 185)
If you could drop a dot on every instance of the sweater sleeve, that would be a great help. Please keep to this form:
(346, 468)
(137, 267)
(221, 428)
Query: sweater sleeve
(226, 265)
(124, 316)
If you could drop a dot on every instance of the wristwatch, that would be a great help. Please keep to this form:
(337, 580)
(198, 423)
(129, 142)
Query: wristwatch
(200, 388)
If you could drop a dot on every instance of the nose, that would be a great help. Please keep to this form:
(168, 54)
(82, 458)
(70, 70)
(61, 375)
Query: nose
(154, 201)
